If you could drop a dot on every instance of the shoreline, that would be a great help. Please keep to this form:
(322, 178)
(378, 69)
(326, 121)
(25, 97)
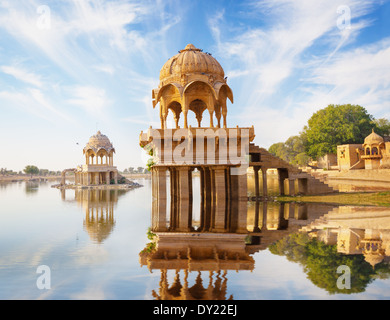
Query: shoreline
(124, 186)
(378, 199)
(38, 178)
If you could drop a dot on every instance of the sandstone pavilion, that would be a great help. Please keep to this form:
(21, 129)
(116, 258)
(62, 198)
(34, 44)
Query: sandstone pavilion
(99, 166)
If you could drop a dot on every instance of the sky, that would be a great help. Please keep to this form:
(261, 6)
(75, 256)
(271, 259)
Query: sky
(69, 68)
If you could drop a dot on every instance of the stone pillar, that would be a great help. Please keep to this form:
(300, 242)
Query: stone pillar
(63, 178)
(257, 188)
(265, 182)
(291, 210)
(302, 212)
(107, 177)
(116, 177)
(283, 174)
(242, 187)
(220, 200)
(256, 220)
(185, 198)
(207, 199)
(265, 214)
(291, 187)
(242, 203)
(159, 187)
(283, 222)
(173, 195)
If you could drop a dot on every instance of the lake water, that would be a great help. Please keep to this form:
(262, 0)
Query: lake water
(91, 245)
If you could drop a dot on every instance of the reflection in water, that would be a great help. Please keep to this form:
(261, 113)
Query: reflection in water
(204, 248)
(98, 205)
(188, 252)
(356, 230)
(320, 237)
(357, 237)
(31, 188)
(272, 183)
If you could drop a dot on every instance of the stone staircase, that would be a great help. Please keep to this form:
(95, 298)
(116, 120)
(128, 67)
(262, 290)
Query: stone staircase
(309, 183)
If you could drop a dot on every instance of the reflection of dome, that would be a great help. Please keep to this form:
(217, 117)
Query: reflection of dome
(373, 259)
(373, 138)
(99, 141)
(99, 228)
(191, 60)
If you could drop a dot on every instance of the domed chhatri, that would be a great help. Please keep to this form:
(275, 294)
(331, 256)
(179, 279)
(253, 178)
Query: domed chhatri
(189, 61)
(374, 153)
(374, 150)
(98, 142)
(373, 138)
(192, 80)
(99, 162)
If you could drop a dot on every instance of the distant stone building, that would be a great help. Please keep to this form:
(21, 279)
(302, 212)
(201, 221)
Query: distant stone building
(99, 163)
(374, 153)
(349, 157)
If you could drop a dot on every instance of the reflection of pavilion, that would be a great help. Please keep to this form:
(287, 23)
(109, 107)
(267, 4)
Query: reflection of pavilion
(216, 253)
(216, 289)
(356, 230)
(98, 205)
(203, 250)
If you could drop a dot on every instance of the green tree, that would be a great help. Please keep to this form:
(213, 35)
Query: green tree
(336, 125)
(279, 150)
(292, 151)
(140, 169)
(383, 127)
(31, 170)
(320, 263)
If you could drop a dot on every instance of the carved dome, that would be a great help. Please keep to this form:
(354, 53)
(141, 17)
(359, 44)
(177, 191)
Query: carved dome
(191, 60)
(192, 80)
(373, 138)
(99, 141)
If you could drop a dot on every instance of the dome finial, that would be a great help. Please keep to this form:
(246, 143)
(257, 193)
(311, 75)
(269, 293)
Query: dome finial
(190, 47)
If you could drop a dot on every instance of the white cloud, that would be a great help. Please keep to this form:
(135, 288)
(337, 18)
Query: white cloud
(33, 101)
(266, 60)
(23, 75)
(105, 68)
(359, 76)
(93, 100)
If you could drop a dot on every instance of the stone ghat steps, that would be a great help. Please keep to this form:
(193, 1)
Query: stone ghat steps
(316, 224)
(320, 222)
(314, 184)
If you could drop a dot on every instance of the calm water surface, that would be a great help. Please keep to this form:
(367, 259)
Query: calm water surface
(92, 244)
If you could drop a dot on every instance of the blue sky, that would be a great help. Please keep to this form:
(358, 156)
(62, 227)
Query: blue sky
(70, 68)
